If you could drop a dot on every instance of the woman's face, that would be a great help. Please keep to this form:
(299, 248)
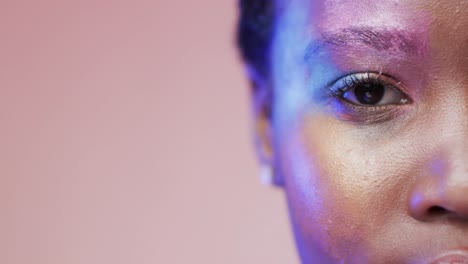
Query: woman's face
(370, 124)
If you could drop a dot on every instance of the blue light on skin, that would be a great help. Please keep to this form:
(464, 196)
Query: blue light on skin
(298, 92)
(302, 87)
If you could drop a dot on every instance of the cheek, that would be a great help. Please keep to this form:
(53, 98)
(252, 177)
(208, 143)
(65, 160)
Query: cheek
(341, 188)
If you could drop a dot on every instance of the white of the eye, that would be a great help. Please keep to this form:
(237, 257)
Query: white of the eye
(392, 96)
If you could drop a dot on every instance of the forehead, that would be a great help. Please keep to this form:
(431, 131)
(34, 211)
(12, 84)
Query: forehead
(441, 24)
(340, 13)
(335, 14)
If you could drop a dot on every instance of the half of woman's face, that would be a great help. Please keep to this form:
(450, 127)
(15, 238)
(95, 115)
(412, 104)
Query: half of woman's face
(370, 121)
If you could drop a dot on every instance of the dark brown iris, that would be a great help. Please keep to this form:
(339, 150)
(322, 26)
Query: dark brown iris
(369, 93)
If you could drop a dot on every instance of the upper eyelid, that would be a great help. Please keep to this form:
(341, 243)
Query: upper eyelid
(370, 75)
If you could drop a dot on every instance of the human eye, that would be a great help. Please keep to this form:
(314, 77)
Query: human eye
(369, 89)
(369, 97)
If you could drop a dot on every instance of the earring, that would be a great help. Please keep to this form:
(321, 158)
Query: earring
(266, 175)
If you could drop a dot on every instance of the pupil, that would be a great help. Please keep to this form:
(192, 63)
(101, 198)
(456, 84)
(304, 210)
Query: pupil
(369, 93)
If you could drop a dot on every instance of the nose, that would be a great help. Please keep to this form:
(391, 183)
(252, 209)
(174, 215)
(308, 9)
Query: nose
(433, 204)
(442, 195)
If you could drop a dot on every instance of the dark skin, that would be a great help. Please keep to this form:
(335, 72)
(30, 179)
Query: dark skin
(367, 130)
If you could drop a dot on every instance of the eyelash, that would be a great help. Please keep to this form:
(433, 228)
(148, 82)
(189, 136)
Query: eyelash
(351, 81)
(356, 79)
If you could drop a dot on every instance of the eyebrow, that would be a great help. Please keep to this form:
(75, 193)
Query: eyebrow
(389, 41)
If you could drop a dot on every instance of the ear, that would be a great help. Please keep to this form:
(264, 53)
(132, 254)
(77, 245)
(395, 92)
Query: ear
(263, 132)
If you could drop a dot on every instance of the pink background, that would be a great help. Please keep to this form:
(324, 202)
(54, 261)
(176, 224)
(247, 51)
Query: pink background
(125, 137)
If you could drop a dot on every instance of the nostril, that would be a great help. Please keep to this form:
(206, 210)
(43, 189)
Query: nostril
(437, 211)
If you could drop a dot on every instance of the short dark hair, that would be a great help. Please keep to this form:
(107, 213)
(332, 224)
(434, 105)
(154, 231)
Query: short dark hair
(255, 32)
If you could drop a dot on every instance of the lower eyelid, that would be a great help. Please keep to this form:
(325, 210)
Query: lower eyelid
(366, 115)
